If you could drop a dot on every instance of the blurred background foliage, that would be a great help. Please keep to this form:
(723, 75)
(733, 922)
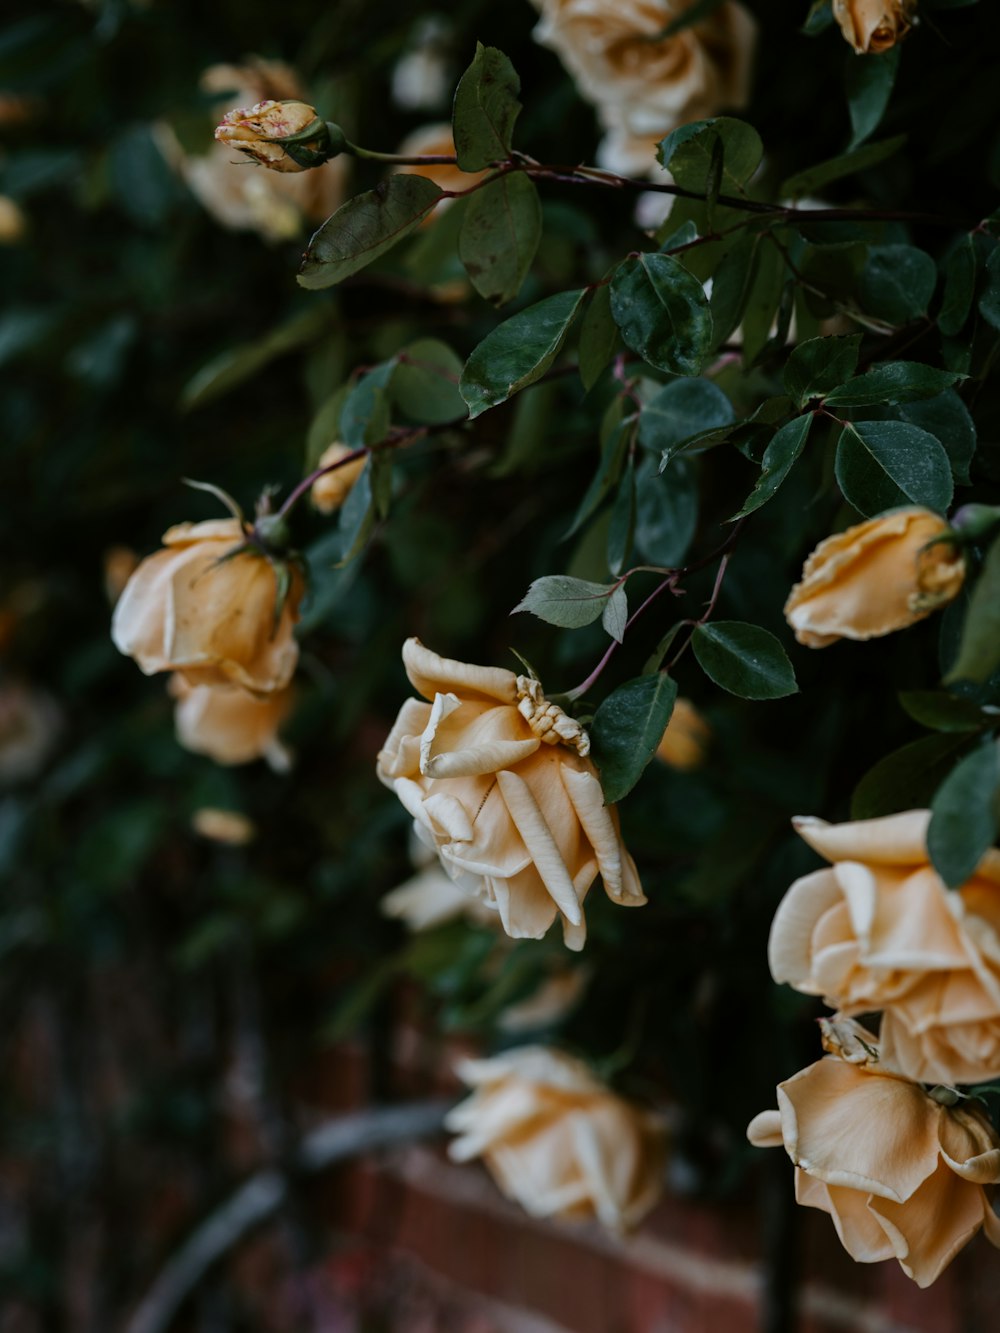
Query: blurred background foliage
(158, 986)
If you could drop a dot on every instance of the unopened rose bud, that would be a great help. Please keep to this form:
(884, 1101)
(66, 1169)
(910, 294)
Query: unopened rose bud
(873, 26)
(331, 490)
(282, 136)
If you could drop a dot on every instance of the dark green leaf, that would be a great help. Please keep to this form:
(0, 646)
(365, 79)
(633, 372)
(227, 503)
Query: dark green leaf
(819, 18)
(979, 648)
(366, 227)
(779, 457)
(655, 659)
(614, 618)
(942, 712)
(518, 352)
(237, 364)
(688, 154)
(947, 418)
(882, 464)
(894, 382)
(816, 367)
(662, 312)
(744, 659)
(959, 287)
(682, 410)
(425, 385)
(598, 336)
(847, 164)
(566, 602)
(897, 282)
(357, 515)
(485, 109)
(666, 511)
(499, 236)
(869, 87)
(907, 778)
(765, 295)
(622, 529)
(989, 302)
(731, 284)
(627, 728)
(612, 457)
(364, 417)
(964, 815)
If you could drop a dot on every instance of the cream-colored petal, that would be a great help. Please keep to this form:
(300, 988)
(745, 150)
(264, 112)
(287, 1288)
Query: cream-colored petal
(859, 1230)
(400, 755)
(541, 843)
(526, 907)
(462, 740)
(431, 675)
(789, 946)
(890, 840)
(902, 919)
(764, 1130)
(929, 1229)
(599, 825)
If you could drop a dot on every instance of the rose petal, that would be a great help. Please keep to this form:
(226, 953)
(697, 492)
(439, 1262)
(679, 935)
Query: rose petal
(541, 843)
(431, 675)
(789, 946)
(891, 840)
(929, 1229)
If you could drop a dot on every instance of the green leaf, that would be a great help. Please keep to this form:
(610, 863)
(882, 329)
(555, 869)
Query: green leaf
(893, 382)
(947, 418)
(622, 528)
(819, 18)
(662, 312)
(688, 152)
(598, 336)
(324, 429)
(897, 282)
(614, 618)
(627, 728)
(765, 295)
(425, 385)
(666, 511)
(816, 367)
(942, 712)
(485, 109)
(846, 164)
(869, 87)
(964, 815)
(237, 364)
(357, 515)
(989, 302)
(907, 778)
(366, 227)
(959, 287)
(564, 601)
(364, 417)
(779, 458)
(500, 234)
(731, 284)
(655, 659)
(882, 464)
(518, 352)
(979, 647)
(744, 659)
(612, 457)
(683, 410)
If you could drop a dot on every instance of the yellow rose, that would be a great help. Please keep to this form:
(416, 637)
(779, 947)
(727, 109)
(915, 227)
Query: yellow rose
(872, 26)
(329, 492)
(879, 930)
(642, 89)
(260, 132)
(685, 741)
(497, 780)
(230, 725)
(190, 609)
(557, 1140)
(902, 1176)
(274, 204)
(875, 578)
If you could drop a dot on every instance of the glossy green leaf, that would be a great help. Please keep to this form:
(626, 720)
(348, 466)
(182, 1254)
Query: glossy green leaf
(765, 296)
(425, 385)
(897, 282)
(564, 601)
(846, 164)
(942, 712)
(779, 458)
(893, 382)
(627, 728)
(746, 660)
(881, 464)
(613, 453)
(947, 418)
(819, 365)
(518, 352)
(688, 153)
(614, 617)
(500, 234)
(662, 312)
(366, 227)
(683, 410)
(959, 287)
(979, 646)
(907, 778)
(364, 417)
(731, 284)
(869, 86)
(622, 529)
(666, 511)
(237, 364)
(485, 110)
(964, 815)
(598, 336)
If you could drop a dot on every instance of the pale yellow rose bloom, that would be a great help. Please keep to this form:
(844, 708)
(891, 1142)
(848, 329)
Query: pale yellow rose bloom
(872, 26)
(557, 1140)
(874, 578)
(330, 491)
(226, 826)
(879, 930)
(229, 724)
(685, 741)
(495, 780)
(902, 1176)
(187, 608)
(643, 89)
(274, 204)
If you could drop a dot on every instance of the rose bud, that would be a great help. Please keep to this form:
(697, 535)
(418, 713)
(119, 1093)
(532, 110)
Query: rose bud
(872, 26)
(330, 491)
(282, 136)
(875, 578)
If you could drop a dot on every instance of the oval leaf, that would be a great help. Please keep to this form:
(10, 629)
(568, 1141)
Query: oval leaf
(564, 601)
(627, 728)
(779, 458)
(964, 815)
(485, 109)
(913, 461)
(744, 659)
(663, 313)
(895, 382)
(500, 234)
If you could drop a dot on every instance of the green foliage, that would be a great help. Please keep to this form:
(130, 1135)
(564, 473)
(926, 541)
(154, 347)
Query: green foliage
(780, 457)
(869, 87)
(979, 649)
(518, 352)
(486, 108)
(964, 815)
(744, 659)
(569, 603)
(884, 464)
(897, 282)
(662, 312)
(818, 366)
(722, 150)
(627, 728)
(500, 233)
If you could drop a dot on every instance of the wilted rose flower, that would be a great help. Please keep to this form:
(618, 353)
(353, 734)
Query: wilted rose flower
(641, 87)
(274, 204)
(231, 725)
(557, 1140)
(879, 930)
(30, 722)
(330, 491)
(497, 780)
(874, 578)
(260, 132)
(197, 608)
(225, 826)
(902, 1175)
(872, 26)
(685, 741)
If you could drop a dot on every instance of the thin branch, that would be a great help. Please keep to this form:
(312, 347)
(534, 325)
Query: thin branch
(263, 1194)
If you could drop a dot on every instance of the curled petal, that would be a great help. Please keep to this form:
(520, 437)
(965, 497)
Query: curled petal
(602, 833)
(764, 1130)
(892, 840)
(789, 946)
(431, 675)
(538, 838)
